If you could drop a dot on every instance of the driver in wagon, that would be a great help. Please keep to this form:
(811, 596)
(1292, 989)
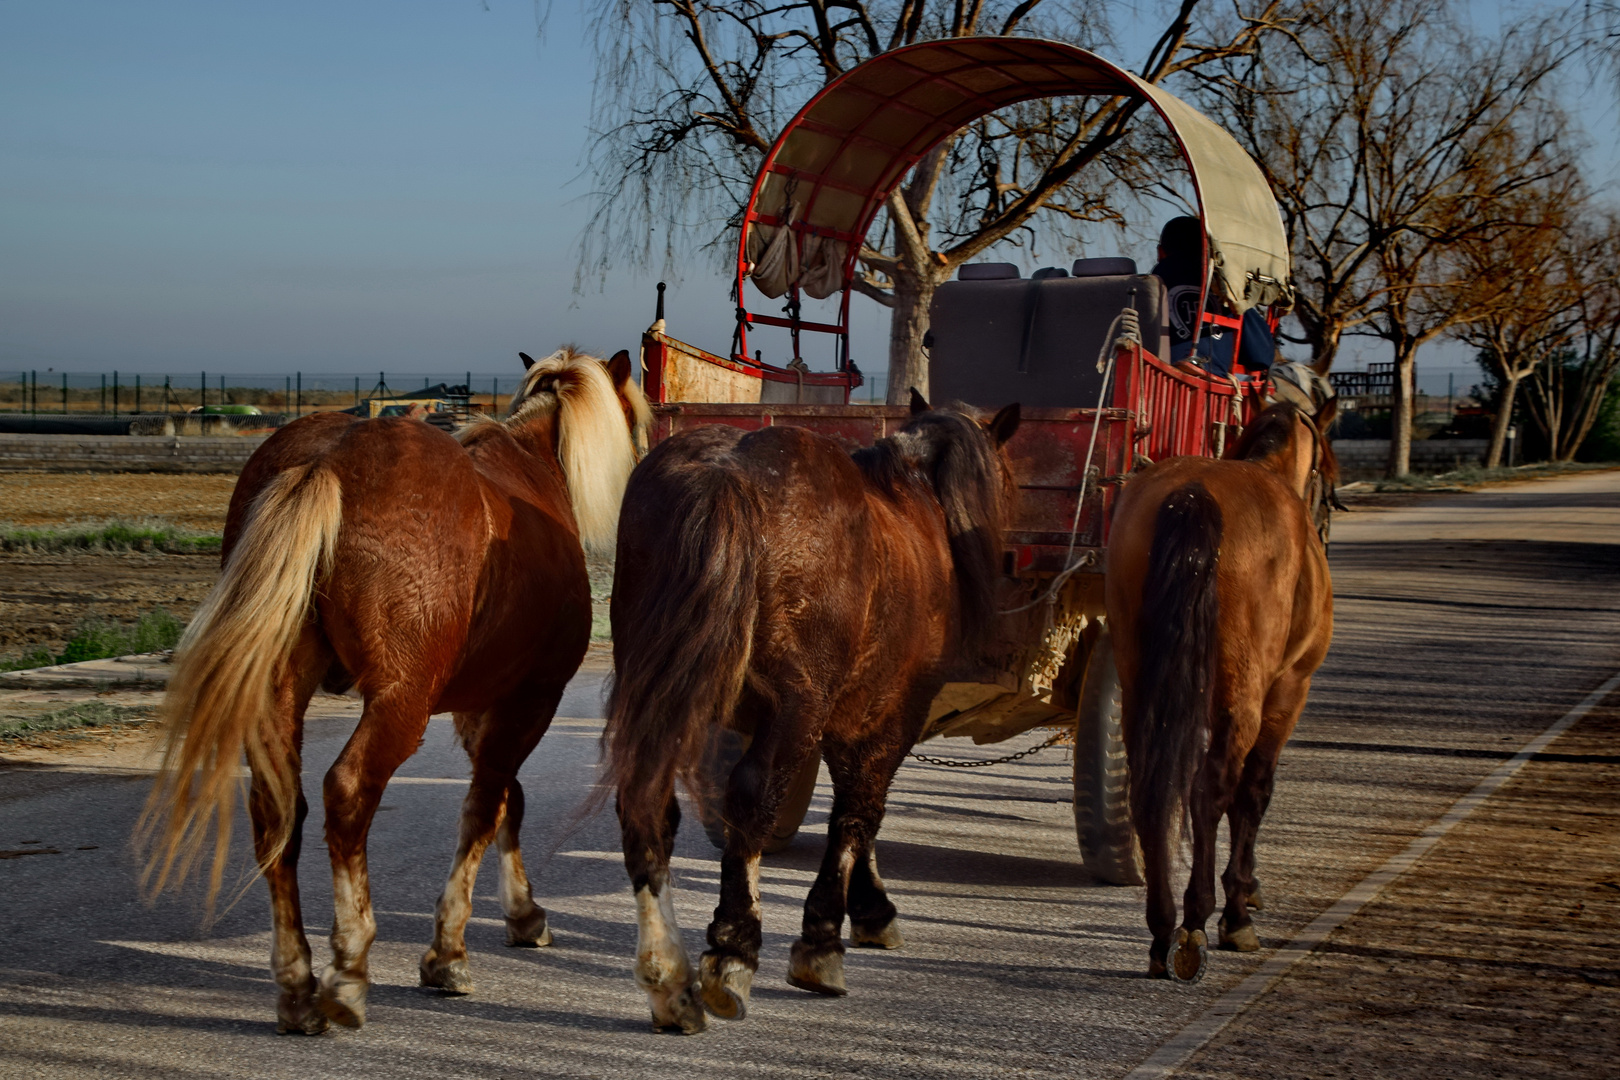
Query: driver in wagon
(1181, 268)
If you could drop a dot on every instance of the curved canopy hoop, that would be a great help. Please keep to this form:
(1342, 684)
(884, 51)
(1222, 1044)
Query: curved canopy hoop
(833, 167)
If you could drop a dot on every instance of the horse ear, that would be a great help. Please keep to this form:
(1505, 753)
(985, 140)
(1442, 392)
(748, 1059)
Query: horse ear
(528, 361)
(919, 404)
(1326, 415)
(618, 368)
(1005, 423)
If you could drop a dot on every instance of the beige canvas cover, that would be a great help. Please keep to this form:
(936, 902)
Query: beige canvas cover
(833, 167)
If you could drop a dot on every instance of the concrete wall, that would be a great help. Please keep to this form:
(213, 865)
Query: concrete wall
(126, 453)
(1363, 458)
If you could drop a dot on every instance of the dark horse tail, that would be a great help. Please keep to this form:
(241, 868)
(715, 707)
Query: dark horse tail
(681, 646)
(1176, 675)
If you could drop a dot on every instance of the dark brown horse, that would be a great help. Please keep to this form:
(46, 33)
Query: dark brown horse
(1221, 610)
(773, 582)
(431, 574)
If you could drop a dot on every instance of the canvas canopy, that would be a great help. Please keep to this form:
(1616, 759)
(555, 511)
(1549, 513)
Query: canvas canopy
(833, 167)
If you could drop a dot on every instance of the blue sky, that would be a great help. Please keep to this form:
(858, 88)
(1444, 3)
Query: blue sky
(325, 187)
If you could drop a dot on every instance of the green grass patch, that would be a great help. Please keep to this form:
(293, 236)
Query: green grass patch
(1473, 476)
(99, 639)
(146, 534)
(83, 715)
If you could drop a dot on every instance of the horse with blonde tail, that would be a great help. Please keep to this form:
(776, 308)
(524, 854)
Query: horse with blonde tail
(1221, 610)
(431, 573)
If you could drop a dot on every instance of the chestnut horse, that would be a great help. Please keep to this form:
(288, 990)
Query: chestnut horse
(777, 584)
(433, 575)
(1221, 610)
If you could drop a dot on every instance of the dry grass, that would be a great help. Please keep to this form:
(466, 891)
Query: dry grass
(51, 500)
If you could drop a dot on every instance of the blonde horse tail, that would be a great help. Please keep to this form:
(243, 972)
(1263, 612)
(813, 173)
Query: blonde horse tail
(226, 671)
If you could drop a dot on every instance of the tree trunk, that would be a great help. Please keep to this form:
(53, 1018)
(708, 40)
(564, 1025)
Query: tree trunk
(1400, 412)
(1503, 420)
(908, 367)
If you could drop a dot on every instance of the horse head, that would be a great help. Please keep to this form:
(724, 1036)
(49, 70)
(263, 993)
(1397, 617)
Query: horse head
(965, 460)
(1291, 440)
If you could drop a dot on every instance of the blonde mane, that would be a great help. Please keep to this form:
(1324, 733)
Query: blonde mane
(594, 446)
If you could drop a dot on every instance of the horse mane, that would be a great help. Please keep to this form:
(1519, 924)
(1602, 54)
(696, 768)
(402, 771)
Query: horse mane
(971, 482)
(1271, 432)
(594, 447)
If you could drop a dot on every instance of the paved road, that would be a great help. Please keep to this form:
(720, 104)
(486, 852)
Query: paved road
(1465, 627)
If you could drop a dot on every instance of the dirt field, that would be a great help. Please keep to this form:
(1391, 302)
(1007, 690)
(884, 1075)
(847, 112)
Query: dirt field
(47, 499)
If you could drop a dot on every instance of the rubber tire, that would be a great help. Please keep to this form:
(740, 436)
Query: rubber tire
(1102, 793)
(726, 748)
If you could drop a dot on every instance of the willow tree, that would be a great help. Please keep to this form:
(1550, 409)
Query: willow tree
(691, 93)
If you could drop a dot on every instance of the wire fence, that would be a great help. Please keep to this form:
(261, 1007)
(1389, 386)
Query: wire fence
(114, 393)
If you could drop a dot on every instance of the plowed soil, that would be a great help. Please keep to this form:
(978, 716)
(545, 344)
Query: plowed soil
(44, 596)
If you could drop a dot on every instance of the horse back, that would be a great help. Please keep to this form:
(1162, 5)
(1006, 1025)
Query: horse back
(1272, 581)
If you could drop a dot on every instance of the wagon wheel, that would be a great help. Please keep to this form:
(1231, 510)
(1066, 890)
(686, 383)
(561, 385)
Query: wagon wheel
(726, 748)
(1102, 809)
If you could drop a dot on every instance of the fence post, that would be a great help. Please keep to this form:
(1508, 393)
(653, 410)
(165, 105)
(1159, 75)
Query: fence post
(202, 393)
(33, 399)
(300, 393)
(357, 391)
(168, 396)
(104, 393)
(137, 395)
(115, 393)
(64, 393)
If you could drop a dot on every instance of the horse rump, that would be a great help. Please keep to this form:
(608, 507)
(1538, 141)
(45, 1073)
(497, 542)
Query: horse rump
(1176, 672)
(684, 605)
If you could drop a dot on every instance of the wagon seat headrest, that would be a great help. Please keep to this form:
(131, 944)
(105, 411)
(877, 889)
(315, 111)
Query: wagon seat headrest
(1106, 267)
(987, 272)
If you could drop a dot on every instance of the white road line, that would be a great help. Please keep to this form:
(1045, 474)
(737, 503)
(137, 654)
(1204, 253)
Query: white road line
(1173, 1054)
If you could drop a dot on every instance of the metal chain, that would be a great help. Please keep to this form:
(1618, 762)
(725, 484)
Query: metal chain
(960, 763)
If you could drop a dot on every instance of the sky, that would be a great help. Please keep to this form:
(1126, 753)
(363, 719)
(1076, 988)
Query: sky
(333, 188)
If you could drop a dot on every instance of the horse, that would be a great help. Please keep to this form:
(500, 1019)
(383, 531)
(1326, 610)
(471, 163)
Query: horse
(777, 584)
(1221, 610)
(431, 573)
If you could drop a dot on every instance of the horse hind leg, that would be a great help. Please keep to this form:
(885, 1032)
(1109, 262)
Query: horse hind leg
(872, 914)
(753, 796)
(498, 742)
(525, 920)
(389, 732)
(861, 776)
(663, 969)
(278, 822)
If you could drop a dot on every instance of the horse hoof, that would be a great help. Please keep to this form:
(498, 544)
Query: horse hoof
(342, 1000)
(296, 1014)
(1184, 963)
(1256, 901)
(1242, 939)
(446, 976)
(679, 1012)
(819, 971)
(726, 984)
(886, 936)
(528, 932)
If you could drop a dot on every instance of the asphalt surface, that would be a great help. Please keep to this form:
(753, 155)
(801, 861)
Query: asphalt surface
(1465, 626)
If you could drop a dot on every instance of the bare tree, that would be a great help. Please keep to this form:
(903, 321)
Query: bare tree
(1307, 104)
(1523, 285)
(1567, 394)
(1463, 128)
(690, 94)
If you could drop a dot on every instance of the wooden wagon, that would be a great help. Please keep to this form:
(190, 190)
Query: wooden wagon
(1085, 352)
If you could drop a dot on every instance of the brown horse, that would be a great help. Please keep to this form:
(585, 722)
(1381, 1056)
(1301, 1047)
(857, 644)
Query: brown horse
(433, 575)
(775, 583)
(1221, 610)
